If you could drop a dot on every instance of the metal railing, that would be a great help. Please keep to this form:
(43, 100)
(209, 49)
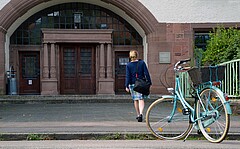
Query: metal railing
(230, 84)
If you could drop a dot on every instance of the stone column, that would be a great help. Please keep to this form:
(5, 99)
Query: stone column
(53, 62)
(102, 61)
(106, 82)
(109, 61)
(49, 82)
(2, 62)
(45, 61)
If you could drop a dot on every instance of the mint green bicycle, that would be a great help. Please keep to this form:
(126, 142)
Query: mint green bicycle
(173, 117)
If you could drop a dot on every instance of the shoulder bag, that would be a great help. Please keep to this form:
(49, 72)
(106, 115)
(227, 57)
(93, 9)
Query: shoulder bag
(141, 85)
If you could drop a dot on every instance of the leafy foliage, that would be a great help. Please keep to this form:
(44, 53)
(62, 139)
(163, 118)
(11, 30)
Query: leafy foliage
(223, 45)
(198, 55)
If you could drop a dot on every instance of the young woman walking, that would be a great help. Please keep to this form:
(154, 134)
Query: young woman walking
(137, 98)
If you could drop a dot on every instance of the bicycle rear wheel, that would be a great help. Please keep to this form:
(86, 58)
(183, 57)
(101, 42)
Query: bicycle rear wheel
(213, 118)
(159, 122)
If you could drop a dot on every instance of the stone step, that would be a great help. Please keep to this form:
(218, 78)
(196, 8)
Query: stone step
(69, 98)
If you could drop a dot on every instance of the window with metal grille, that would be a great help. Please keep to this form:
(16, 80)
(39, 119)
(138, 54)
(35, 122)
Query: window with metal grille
(30, 66)
(75, 16)
(201, 40)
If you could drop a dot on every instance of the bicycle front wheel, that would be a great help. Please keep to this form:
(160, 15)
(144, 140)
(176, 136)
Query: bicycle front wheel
(167, 122)
(213, 119)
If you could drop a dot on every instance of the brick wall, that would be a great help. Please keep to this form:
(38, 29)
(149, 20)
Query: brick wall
(2, 64)
(176, 38)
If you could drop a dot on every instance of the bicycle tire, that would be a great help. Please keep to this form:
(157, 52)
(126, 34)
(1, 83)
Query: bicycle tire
(157, 120)
(214, 125)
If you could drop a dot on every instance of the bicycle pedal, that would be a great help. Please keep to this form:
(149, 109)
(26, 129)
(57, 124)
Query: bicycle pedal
(199, 132)
(186, 111)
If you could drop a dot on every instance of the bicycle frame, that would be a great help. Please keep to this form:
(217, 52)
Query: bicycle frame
(227, 103)
(192, 115)
(209, 114)
(179, 96)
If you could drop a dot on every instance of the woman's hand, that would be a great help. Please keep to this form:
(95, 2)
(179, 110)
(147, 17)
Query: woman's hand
(127, 89)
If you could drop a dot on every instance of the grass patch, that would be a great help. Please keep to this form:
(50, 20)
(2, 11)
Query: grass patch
(38, 137)
(114, 136)
(118, 136)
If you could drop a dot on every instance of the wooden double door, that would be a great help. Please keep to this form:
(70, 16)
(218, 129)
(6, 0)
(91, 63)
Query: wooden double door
(77, 69)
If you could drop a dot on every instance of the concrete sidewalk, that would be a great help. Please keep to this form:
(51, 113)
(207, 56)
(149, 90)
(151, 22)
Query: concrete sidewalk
(74, 117)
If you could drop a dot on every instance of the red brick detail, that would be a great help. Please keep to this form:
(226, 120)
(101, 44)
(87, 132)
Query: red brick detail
(2, 64)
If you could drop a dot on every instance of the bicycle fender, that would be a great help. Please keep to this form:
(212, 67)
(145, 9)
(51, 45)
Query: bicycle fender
(167, 96)
(227, 103)
(229, 110)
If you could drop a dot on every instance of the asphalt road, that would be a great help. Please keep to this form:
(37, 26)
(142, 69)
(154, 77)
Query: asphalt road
(118, 144)
(75, 119)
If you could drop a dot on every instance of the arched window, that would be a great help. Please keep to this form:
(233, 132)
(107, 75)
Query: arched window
(75, 16)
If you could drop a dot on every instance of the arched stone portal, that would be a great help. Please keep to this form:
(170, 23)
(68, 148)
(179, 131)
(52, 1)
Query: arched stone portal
(133, 8)
(15, 9)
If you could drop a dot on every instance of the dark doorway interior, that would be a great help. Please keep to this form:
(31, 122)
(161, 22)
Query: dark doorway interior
(121, 60)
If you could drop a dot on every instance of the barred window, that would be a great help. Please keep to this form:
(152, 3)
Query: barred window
(75, 16)
(201, 40)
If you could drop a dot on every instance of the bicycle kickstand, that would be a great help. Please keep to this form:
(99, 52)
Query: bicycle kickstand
(189, 133)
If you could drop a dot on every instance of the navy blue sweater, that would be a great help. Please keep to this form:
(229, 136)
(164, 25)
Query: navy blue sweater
(131, 72)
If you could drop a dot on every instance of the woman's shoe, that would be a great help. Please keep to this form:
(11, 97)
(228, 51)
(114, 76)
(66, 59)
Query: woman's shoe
(140, 118)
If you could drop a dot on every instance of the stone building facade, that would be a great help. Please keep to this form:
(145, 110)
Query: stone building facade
(62, 47)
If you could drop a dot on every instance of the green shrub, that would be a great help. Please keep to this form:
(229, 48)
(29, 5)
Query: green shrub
(223, 45)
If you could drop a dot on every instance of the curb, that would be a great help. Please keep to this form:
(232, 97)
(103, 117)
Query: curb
(96, 136)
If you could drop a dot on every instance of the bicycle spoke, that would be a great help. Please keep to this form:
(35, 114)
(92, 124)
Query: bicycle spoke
(215, 118)
(164, 125)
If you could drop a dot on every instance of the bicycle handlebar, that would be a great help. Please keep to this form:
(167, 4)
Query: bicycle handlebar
(176, 66)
